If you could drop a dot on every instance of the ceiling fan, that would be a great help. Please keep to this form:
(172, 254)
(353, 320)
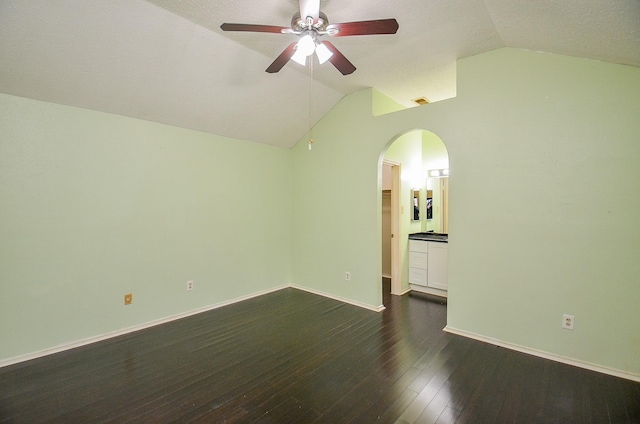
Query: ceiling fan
(310, 24)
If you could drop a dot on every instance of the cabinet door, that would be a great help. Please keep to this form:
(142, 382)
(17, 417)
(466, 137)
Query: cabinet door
(438, 258)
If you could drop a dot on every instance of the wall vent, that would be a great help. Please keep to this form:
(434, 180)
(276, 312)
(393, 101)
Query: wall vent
(421, 101)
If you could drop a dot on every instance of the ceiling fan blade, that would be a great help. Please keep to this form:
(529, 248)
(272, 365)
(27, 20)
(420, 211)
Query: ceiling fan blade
(282, 59)
(309, 8)
(338, 60)
(378, 26)
(255, 28)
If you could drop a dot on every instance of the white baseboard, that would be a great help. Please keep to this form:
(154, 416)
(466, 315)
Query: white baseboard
(95, 339)
(403, 292)
(496, 342)
(429, 290)
(341, 299)
(546, 355)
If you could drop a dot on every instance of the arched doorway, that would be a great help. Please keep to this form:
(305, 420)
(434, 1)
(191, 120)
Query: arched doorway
(413, 156)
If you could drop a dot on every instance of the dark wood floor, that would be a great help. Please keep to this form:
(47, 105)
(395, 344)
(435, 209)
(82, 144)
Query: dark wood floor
(294, 357)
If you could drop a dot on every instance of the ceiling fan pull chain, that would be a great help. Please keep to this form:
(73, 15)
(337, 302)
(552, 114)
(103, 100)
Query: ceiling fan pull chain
(310, 101)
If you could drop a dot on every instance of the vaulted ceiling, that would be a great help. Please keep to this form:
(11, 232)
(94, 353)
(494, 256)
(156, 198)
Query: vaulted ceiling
(168, 61)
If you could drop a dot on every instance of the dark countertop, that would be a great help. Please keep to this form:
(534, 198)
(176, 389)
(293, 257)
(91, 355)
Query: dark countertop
(438, 237)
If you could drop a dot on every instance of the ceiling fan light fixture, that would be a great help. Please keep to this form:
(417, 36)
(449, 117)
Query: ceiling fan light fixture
(323, 53)
(299, 58)
(306, 45)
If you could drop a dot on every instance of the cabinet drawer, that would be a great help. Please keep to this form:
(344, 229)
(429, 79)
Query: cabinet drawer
(417, 246)
(418, 276)
(418, 260)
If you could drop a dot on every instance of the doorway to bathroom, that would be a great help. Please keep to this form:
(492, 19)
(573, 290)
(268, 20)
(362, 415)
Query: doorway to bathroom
(410, 202)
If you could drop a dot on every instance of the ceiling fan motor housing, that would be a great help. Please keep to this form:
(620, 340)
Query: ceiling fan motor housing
(298, 24)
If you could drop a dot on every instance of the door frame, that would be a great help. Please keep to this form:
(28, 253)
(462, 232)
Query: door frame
(396, 269)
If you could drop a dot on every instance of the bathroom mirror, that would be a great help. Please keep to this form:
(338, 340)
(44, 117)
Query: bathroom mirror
(438, 206)
(415, 195)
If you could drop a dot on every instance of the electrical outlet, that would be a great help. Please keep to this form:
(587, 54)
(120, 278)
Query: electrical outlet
(347, 276)
(128, 299)
(568, 321)
(189, 285)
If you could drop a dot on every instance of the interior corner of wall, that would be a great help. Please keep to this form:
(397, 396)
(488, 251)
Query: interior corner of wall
(381, 104)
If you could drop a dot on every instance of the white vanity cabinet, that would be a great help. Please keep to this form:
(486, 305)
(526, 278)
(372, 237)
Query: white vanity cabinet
(437, 271)
(428, 266)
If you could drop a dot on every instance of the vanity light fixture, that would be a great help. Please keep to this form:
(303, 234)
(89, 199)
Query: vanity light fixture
(439, 172)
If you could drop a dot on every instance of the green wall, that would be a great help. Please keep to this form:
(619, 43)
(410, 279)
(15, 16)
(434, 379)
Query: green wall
(93, 206)
(543, 210)
(335, 189)
(543, 216)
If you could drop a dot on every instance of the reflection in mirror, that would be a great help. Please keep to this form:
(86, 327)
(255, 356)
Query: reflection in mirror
(415, 193)
(429, 204)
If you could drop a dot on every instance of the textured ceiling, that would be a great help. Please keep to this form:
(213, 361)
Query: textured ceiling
(168, 61)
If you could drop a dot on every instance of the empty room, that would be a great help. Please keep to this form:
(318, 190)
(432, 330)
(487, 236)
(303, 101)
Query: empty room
(317, 212)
